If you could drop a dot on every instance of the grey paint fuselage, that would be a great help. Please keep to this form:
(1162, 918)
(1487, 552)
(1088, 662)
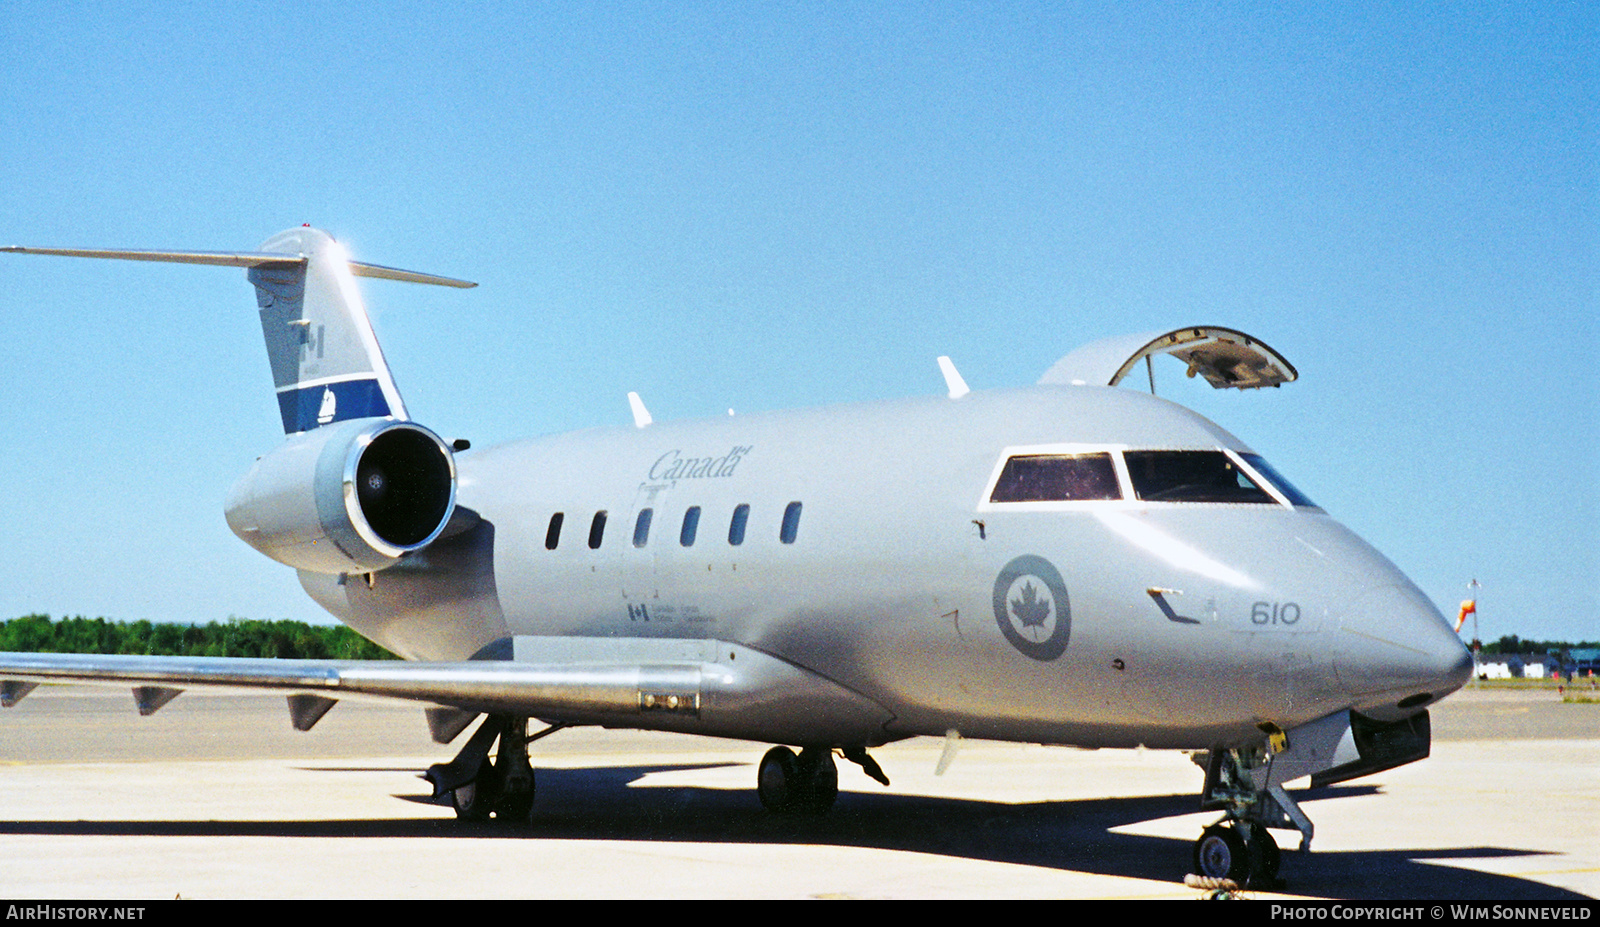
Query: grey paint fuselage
(1273, 614)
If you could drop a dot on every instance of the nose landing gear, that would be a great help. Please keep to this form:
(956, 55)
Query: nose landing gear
(1239, 848)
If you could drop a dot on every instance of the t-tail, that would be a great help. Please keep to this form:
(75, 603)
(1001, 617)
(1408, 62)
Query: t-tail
(356, 485)
(326, 363)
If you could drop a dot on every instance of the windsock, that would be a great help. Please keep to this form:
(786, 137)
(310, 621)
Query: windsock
(1468, 606)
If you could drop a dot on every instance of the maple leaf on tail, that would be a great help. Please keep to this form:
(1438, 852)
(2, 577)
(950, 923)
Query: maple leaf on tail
(1031, 610)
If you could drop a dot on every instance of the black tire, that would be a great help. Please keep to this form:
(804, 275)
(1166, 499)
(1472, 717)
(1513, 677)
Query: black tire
(475, 800)
(515, 807)
(778, 781)
(1220, 854)
(1264, 851)
(819, 781)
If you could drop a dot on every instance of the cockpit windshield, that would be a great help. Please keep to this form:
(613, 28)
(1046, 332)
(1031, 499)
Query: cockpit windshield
(1070, 475)
(1191, 476)
(1295, 496)
(1057, 478)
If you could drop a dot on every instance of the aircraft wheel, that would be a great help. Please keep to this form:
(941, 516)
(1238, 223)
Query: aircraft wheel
(1220, 854)
(515, 809)
(516, 799)
(778, 781)
(820, 777)
(474, 801)
(1264, 853)
(804, 784)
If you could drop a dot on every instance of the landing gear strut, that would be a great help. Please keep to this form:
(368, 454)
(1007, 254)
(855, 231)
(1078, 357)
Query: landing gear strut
(1238, 847)
(479, 787)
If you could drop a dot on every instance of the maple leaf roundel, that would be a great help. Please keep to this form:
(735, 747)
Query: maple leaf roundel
(1030, 605)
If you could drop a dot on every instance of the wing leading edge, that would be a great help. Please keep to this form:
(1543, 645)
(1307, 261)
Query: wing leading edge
(707, 687)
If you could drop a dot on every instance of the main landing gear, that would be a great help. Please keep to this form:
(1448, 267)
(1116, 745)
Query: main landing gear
(808, 783)
(1238, 847)
(480, 787)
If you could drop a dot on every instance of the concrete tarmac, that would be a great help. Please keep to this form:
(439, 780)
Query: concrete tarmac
(216, 796)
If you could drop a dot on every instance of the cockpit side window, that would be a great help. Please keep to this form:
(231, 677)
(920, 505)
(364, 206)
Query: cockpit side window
(1057, 478)
(1266, 472)
(1191, 476)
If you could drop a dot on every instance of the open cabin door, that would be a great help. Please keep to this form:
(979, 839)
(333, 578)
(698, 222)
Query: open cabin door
(1226, 358)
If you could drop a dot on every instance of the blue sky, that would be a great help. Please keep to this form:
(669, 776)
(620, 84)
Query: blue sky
(761, 206)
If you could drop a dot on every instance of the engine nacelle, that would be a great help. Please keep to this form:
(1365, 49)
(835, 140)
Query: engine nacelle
(352, 497)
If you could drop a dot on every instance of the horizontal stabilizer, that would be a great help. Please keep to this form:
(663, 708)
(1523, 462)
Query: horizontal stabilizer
(220, 258)
(379, 272)
(238, 259)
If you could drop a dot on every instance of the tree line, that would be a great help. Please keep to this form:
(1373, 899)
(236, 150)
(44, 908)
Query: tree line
(1512, 644)
(236, 637)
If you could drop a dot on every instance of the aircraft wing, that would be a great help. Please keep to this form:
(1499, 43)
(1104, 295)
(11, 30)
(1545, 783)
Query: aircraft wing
(703, 686)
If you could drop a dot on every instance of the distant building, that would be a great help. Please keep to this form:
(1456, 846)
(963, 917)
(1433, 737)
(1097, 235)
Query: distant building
(1521, 665)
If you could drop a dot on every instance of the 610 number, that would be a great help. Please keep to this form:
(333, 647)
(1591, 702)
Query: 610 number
(1274, 613)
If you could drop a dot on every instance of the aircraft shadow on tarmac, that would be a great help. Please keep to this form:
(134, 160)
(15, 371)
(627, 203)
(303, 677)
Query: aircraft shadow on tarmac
(597, 804)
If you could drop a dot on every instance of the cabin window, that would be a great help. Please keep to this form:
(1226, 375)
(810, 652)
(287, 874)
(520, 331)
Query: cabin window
(1191, 476)
(1057, 478)
(552, 535)
(741, 517)
(597, 530)
(791, 523)
(691, 524)
(1266, 472)
(641, 527)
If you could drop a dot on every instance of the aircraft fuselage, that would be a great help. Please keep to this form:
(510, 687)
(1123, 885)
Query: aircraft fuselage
(862, 544)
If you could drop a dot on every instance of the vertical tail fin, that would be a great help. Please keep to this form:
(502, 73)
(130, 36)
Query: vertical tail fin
(326, 363)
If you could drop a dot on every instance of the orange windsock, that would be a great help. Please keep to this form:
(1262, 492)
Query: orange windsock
(1468, 607)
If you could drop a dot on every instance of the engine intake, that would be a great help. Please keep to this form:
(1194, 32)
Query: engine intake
(353, 497)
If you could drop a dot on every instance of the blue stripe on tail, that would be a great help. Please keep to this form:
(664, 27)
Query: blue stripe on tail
(313, 406)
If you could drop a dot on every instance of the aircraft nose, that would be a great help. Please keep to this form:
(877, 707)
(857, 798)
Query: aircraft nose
(1397, 654)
